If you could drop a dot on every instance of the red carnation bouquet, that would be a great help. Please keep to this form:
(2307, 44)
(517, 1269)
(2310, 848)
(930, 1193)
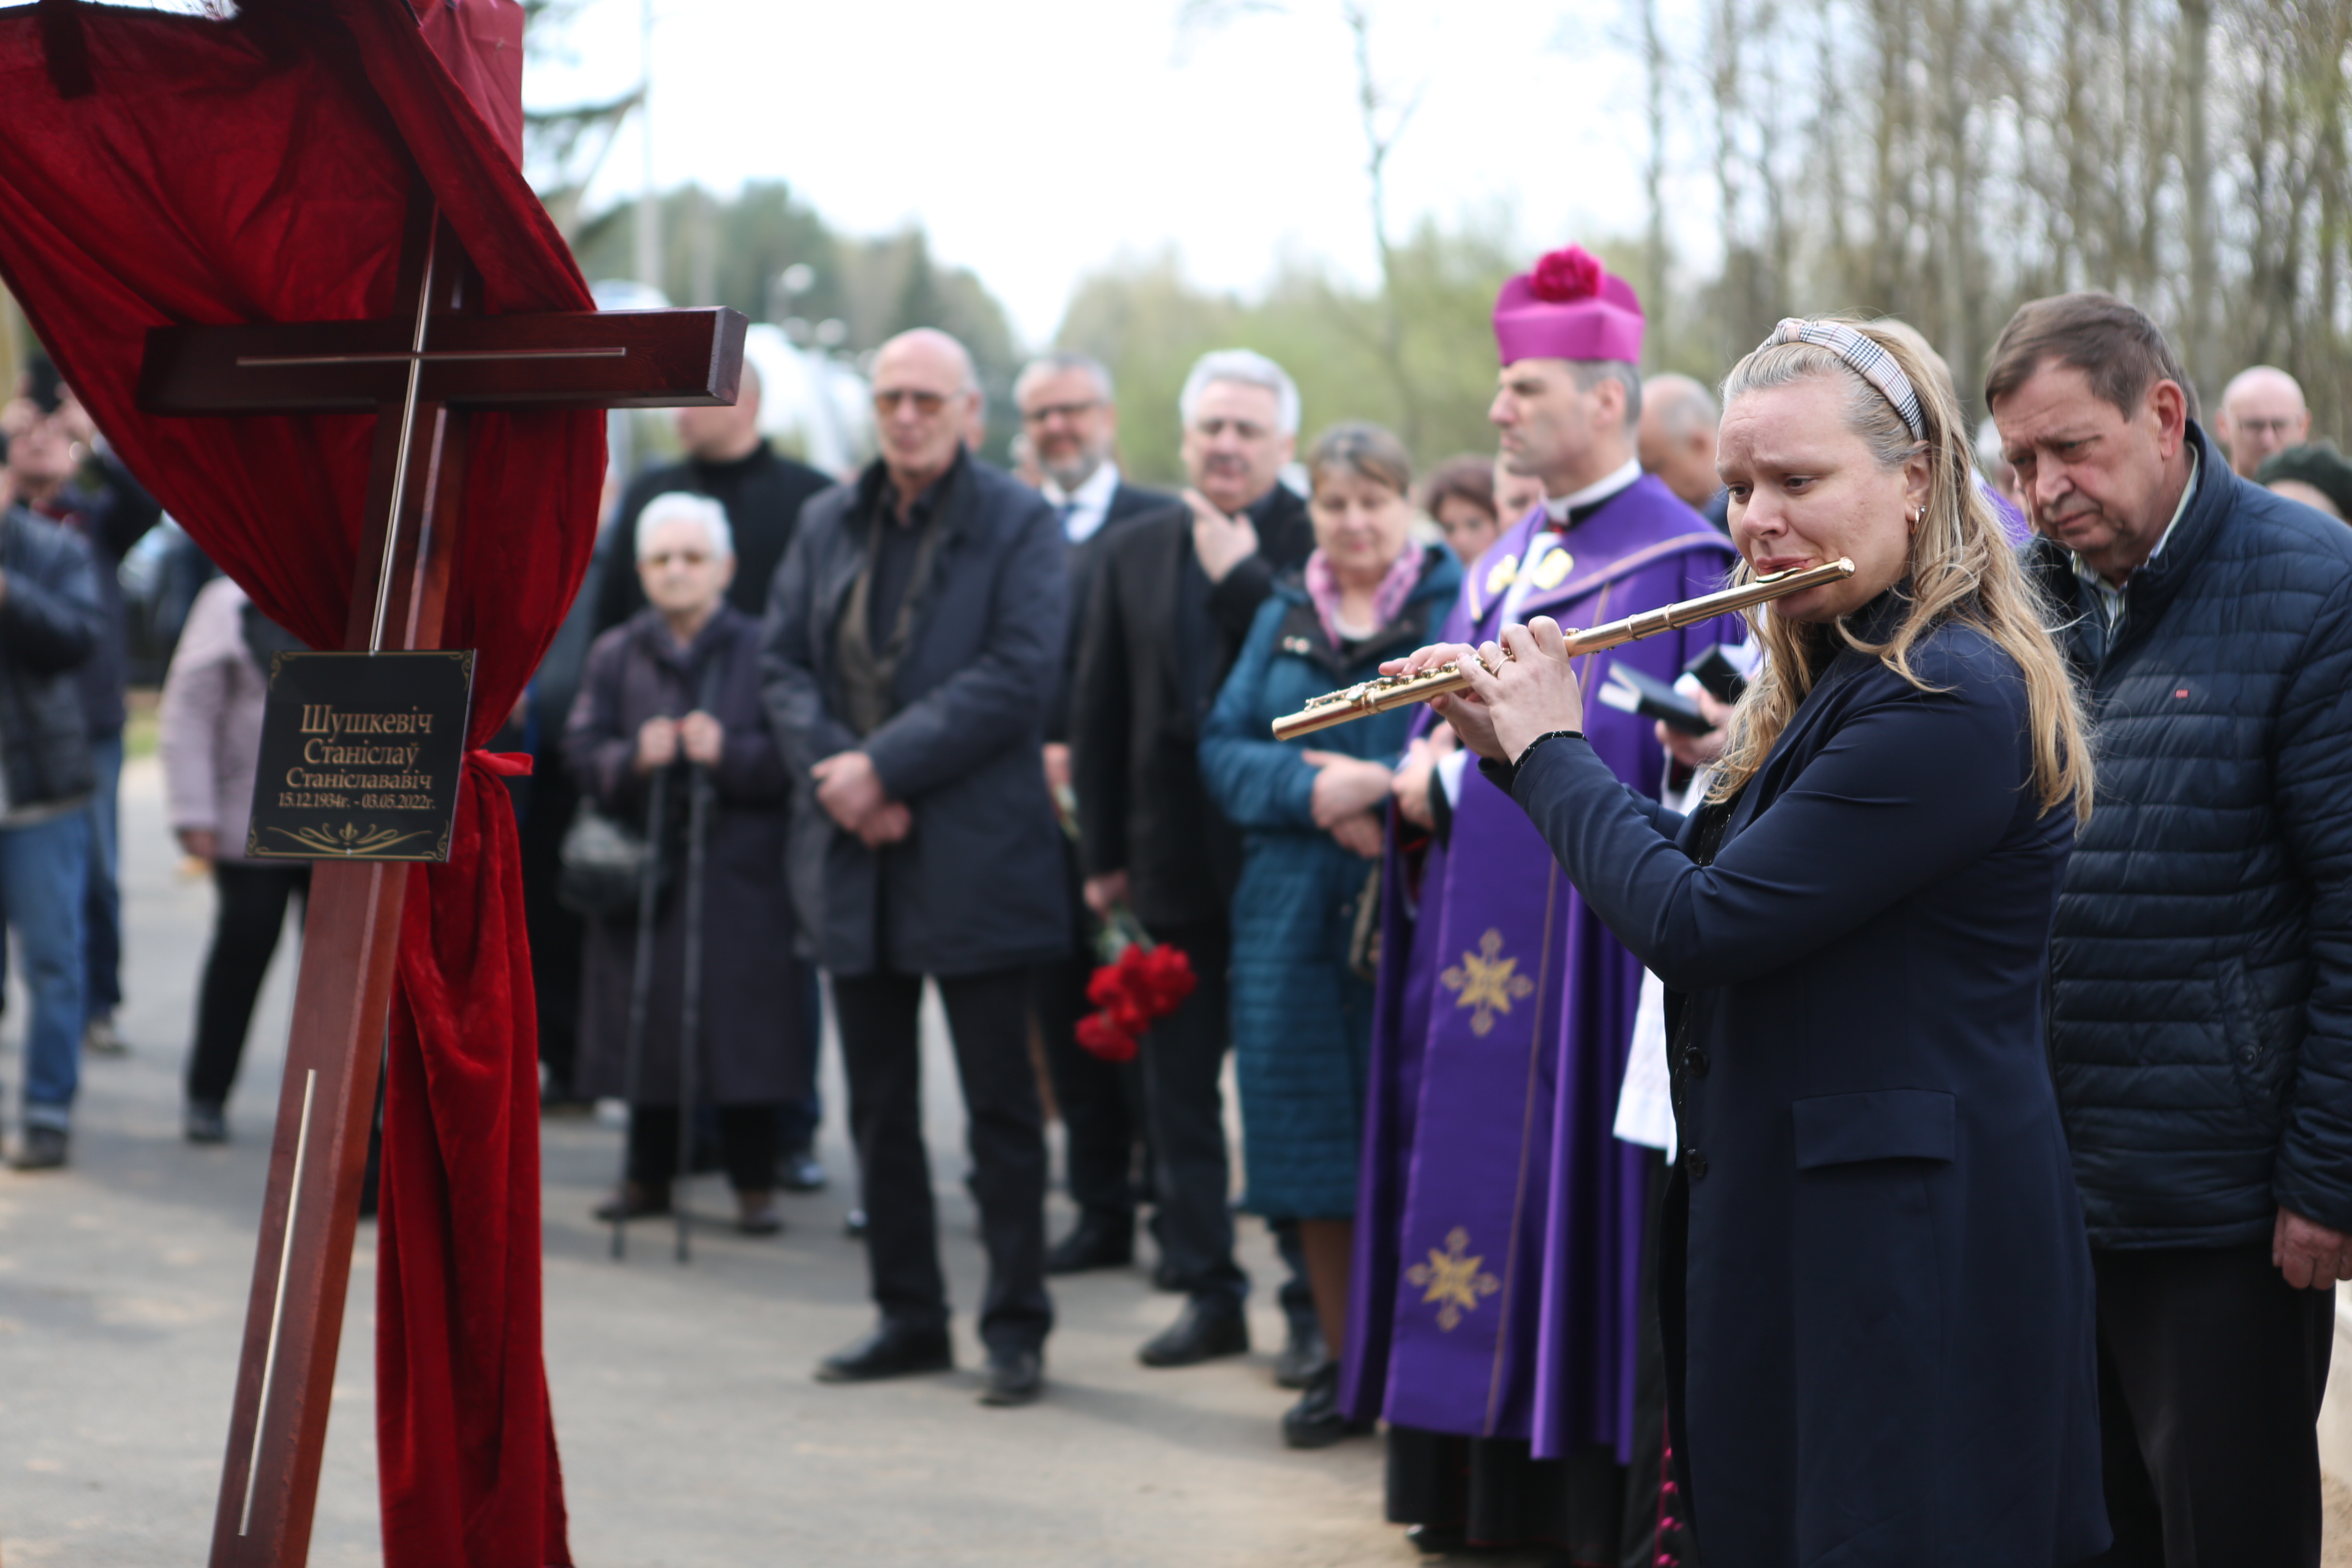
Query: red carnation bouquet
(1142, 985)
(1143, 981)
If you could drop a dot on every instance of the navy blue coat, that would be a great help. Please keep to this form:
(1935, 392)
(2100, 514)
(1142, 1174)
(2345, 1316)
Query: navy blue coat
(1884, 1306)
(2201, 963)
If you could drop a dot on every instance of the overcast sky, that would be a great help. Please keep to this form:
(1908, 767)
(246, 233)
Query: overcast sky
(1038, 139)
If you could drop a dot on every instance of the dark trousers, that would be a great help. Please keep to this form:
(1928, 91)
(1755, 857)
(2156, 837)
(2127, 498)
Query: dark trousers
(988, 1015)
(1098, 1100)
(250, 912)
(1182, 1059)
(557, 934)
(747, 1145)
(102, 913)
(2211, 1374)
(1298, 1292)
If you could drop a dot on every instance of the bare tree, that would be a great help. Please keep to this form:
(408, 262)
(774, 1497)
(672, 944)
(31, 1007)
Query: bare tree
(1657, 68)
(1383, 114)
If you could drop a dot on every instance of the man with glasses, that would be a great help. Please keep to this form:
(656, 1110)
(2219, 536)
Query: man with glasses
(2263, 413)
(913, 644)
(1171, 602)
(1071, 421)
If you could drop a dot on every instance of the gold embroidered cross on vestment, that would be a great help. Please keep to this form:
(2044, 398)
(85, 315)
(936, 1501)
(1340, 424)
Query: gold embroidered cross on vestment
(1453, 1278)
(1488, 982)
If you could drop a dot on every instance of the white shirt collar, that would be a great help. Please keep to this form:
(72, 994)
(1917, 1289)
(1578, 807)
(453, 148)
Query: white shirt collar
(1089, 504)
(1559, 507)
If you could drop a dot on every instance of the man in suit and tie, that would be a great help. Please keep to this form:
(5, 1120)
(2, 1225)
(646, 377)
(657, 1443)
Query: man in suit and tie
(1172, 600)
(1070, 417)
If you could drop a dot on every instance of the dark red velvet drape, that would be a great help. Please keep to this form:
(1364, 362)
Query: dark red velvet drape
(260, 171)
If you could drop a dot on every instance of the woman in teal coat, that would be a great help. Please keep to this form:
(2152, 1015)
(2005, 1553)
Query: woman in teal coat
(1312, 815)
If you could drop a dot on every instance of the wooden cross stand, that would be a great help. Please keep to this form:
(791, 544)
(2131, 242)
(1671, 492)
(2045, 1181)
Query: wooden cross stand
(420, 376)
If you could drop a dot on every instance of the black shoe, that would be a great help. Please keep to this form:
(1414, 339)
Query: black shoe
(854, 1224)
(41, 1149)
(800, 1171)
(1206, 1329)
(1014, 1377)
(1095, 1244)
(204, 1122)
(1315, 1422)
(634, 1200)
(1301, 1358)
(884, 1354)
(1434, 1539)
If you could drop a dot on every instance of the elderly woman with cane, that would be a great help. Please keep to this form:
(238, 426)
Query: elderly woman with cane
(676, 690)
(1875, 1283)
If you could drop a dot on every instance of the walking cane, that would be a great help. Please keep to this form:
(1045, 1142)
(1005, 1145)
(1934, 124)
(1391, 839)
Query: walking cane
(690, 1029)
(641, 982)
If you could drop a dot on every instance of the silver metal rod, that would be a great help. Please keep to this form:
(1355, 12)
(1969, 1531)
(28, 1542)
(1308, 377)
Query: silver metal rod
(278, 1308)
(443, 356)
(407, 435)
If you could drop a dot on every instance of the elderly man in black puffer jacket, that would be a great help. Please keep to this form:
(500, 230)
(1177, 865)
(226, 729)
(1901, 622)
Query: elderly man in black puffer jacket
(2200, 964)
(50, 620)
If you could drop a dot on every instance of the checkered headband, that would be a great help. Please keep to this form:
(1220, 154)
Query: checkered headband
(1870, 362)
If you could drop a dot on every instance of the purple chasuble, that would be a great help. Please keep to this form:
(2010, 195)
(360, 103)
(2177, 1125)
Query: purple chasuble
(1499, 1226)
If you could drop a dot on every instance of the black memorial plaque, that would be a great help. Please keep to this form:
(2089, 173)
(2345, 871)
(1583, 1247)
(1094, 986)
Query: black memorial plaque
(359, 756)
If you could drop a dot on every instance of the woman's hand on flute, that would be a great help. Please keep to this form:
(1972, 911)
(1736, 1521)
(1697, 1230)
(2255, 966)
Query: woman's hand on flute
(1464, 713)
(1531, 690)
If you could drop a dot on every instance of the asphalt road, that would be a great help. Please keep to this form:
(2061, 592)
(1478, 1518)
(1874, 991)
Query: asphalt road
(691, 1432)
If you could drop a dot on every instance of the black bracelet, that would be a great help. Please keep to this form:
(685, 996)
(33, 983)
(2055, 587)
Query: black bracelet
(1528, 749)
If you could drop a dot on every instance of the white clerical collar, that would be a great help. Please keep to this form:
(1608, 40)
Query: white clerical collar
(1559, 507)
(1084, 509)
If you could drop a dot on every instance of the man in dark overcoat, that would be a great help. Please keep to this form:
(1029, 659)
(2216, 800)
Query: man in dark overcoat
(913, 642)
(1173, 597)
(2201, 962)
(1070, 415)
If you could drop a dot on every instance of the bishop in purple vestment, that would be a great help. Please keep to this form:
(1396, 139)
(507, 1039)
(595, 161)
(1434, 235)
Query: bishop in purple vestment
(1500, 1223)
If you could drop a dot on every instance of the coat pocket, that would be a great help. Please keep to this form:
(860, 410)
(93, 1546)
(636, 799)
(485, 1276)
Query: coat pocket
(1877, 1124)
(2262, 1069)
(1871, 1269)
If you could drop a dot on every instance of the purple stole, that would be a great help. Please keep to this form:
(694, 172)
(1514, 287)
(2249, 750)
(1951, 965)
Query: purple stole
(1498, 1252)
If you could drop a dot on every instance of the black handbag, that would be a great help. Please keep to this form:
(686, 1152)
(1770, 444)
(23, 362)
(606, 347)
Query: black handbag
(603, 865)
(602, 861)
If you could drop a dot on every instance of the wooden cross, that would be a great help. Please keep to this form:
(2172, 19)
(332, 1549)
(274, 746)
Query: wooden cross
(419, 375)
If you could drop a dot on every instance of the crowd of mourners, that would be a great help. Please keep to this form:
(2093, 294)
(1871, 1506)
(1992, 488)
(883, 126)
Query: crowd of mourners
(1779, 1106)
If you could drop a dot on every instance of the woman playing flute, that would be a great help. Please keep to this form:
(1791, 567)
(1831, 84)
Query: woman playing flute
(1876, 1289)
